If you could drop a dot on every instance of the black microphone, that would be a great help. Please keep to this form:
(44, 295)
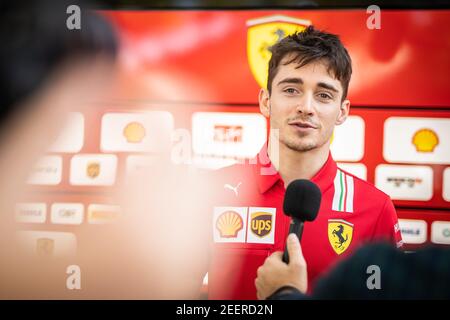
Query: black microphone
(301, 203)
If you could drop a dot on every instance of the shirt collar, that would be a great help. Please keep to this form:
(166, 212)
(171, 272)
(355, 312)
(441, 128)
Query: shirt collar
(267, 176)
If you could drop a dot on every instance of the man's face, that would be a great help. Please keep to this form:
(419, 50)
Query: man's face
(305, 105)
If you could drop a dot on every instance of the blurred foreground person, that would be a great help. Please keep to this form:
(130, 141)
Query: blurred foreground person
(46, 72)
(156, 248)
(375, 271)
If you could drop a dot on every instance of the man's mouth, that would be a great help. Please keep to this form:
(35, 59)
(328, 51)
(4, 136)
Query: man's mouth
(303, 125)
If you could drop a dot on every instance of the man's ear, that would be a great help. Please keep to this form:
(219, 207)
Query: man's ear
(264, 102)
(344, 110)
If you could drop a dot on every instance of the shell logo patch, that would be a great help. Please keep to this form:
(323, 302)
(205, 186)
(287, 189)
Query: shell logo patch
(425, 140)
(263, 33)
(229, 224)
(340, 233)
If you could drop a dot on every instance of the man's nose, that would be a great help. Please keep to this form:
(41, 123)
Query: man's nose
(305, 104)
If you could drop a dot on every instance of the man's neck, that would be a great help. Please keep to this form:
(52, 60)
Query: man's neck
(292, 164)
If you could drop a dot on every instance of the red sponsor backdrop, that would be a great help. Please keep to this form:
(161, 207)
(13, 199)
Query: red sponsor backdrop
(190, 61)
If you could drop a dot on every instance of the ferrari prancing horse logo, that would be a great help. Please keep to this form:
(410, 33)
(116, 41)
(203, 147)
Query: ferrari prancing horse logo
(263, 33)
(340, 234)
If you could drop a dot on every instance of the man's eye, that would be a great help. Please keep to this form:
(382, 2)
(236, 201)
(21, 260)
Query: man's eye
(325, 96)
(290, 90)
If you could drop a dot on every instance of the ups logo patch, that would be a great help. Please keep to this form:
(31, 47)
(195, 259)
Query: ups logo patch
(261, 223)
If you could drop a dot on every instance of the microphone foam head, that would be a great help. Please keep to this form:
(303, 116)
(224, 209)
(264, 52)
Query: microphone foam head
(302, 200)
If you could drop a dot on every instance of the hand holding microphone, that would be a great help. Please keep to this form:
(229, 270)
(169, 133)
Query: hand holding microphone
(289, 269)
(274, 274)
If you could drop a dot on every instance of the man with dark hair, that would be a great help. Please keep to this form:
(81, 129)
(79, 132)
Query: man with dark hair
(305, 98)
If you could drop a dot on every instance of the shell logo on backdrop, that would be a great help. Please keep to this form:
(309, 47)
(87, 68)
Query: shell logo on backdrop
(134, 132)
(143, 131)
(425, 140)
(417, 140)
(263, 33)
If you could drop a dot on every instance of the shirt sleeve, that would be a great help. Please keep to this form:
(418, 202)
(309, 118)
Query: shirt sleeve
(387, 227)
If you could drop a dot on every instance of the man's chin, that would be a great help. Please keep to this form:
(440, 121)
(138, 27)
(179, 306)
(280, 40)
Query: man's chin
(301, 146)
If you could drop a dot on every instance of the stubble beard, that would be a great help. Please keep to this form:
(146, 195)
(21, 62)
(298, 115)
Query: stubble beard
(299, 146)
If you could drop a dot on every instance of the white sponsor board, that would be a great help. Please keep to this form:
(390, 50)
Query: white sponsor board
(405, 182)
(93, 169)
(31, 212)
(417, 140)
(348, 140)
(47, 243)
(413, 231)
(67, 213)
(440, 232)
(137, 132)
(228, 134)
(71, 138)
(103, 213)
(47, 171)
(446, 185)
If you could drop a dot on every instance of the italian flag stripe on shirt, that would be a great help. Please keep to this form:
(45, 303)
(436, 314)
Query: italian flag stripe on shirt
(343, 192)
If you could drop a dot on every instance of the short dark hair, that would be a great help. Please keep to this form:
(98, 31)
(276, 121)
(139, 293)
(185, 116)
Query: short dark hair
(308, 46)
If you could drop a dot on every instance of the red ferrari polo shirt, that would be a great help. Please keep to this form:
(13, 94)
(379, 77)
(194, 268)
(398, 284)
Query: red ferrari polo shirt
(249, 223)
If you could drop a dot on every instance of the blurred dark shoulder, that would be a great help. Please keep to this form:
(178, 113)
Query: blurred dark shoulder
(423, 274)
